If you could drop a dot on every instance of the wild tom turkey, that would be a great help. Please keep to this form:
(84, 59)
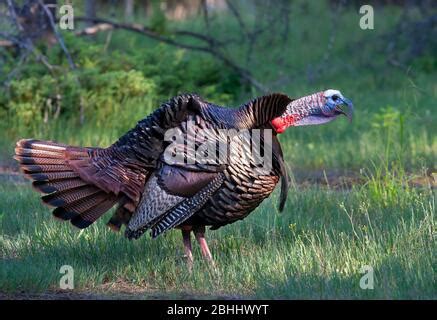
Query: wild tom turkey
(154, 193)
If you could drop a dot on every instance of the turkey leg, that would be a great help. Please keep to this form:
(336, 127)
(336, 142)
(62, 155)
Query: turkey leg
(186, 236)
(199, 232)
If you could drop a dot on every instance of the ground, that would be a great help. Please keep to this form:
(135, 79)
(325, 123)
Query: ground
(315, 249)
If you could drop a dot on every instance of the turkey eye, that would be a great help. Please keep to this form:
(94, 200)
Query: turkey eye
(335, 98)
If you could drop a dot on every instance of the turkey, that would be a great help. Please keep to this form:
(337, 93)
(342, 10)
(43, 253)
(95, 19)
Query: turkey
(161, 175)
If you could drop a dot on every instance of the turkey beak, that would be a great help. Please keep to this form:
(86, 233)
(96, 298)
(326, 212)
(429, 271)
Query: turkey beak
(348, 105)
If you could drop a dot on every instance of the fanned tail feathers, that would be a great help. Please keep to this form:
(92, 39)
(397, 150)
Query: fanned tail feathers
(47, 164)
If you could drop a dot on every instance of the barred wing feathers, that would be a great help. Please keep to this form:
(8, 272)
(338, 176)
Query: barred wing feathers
(84, 183)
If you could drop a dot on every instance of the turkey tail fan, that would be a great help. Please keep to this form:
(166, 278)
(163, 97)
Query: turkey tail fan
(46, 163)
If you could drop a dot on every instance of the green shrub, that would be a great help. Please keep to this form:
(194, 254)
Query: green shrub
(113, 89)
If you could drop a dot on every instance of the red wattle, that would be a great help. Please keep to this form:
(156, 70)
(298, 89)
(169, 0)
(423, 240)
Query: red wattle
(280, 124)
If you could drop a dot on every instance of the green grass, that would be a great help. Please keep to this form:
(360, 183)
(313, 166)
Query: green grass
(315, 249)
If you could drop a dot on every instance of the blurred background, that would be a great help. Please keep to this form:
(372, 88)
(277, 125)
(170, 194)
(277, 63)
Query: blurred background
(363, 193)
(123, 58)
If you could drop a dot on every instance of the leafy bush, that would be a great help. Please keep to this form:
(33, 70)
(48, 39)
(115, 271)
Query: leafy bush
(113, 88)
